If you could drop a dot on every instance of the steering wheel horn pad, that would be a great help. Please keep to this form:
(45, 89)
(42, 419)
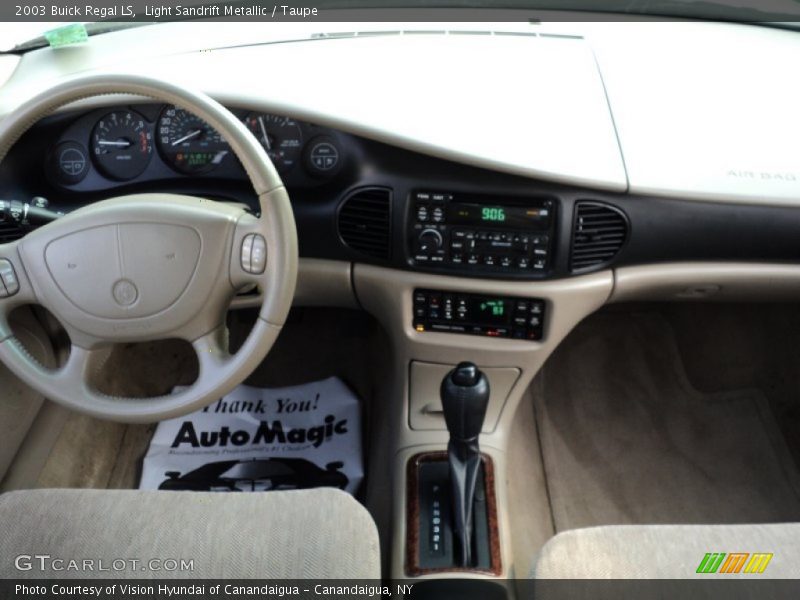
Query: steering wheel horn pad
(135, 268)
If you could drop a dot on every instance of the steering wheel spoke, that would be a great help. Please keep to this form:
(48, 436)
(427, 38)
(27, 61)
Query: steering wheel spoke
(83, 364)
(212, 352)
(15, 288)
(249, 255)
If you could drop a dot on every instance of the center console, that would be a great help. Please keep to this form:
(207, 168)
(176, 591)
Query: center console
(510, 237)
(452, 510)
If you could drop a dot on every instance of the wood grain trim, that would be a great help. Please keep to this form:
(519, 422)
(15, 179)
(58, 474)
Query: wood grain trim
(413, 511)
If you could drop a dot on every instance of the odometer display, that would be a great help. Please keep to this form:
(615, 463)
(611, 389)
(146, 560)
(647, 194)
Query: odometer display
(188, 143)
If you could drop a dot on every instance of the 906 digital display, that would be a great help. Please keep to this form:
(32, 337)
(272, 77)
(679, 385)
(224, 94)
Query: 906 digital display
(493, 213)
(523, 217)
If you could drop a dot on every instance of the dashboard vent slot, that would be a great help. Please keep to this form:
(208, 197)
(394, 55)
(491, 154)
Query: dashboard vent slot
(598, 235)
(365, 222)
(9, 232)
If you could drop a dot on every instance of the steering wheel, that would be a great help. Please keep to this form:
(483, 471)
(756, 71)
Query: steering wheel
(149, 267)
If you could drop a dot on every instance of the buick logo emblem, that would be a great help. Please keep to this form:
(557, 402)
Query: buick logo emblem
(125, 292)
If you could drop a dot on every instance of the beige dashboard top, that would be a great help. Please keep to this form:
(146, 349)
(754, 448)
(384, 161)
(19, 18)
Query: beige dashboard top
(696, 110)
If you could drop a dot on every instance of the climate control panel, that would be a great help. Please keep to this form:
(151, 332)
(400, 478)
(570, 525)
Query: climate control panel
(477, 314)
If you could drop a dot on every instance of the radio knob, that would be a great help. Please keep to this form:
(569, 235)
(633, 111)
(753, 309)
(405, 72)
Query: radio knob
(429, 241)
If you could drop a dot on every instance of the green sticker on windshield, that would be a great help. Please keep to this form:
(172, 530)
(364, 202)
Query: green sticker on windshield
(66, 35)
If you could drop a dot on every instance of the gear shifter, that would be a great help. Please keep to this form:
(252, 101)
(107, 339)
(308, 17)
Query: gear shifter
(465, 396)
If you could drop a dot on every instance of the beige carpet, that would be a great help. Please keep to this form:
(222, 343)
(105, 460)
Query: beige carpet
(626, 438)
(93, 453)
(528, 504)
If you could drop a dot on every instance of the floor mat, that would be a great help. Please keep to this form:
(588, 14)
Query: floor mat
(260, 439)
(626, 439)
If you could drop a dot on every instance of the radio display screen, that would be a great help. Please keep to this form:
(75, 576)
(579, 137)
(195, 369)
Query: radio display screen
(515, 217)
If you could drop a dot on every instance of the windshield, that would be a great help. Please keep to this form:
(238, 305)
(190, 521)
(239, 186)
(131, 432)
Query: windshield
(24, 36)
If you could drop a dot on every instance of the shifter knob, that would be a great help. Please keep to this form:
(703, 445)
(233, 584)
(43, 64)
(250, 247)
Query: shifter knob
(465, 396)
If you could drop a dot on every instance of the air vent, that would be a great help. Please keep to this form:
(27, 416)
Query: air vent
(599, 233)
(9, 232)
(365, 222)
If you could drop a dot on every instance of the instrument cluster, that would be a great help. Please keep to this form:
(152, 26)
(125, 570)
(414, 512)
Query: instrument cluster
(115, 146)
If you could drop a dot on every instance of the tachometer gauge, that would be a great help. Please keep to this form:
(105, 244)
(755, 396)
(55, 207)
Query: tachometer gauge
(122, 144)
(188, 143)
(281, 137)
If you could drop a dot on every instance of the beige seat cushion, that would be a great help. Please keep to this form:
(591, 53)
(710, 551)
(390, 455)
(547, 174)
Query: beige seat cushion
(665, 551)
(321, 533)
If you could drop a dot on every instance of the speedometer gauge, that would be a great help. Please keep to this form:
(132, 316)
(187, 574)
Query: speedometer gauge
(281, 137)
(188, 143)
(122, 144)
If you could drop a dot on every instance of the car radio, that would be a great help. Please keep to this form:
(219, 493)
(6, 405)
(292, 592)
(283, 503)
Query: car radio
(478, 314)
(476, 232)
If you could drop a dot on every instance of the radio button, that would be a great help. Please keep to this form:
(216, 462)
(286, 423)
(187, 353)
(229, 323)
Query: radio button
(540, 251)
(523, 262)
(539, 264)
(423, 196)
(457, 244)
(459, 234)
(473, 259)
(438, 214)
(420, 298)
(505, 261)
(456, 259)
(540, 240)
(429, 241)
(489, 260)
(422, 213)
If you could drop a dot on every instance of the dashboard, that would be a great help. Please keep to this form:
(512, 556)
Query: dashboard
(113, 147)
(363, 201)
(453, 161)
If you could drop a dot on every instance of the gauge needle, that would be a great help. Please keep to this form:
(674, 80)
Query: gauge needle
(264, 133)
(188, 136)
(121, 143)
